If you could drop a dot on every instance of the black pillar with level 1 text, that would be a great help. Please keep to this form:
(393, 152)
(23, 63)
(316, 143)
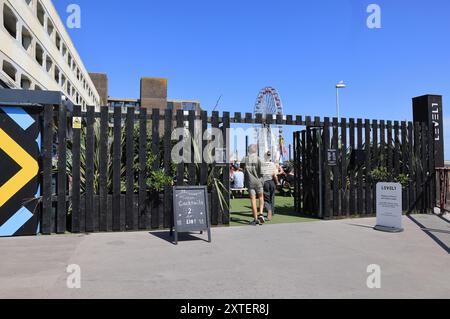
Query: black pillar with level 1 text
(428, 109)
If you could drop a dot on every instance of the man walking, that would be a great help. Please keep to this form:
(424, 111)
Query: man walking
(253, 182)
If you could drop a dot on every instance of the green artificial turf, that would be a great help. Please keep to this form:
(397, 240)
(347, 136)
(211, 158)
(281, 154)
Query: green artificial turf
(241, 212)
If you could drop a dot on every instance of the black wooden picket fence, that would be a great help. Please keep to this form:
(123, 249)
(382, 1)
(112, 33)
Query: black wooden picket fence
(348, 188)
(83, 193)
(82, 199)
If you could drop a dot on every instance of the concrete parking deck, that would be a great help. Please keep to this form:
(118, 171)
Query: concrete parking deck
(307, 260)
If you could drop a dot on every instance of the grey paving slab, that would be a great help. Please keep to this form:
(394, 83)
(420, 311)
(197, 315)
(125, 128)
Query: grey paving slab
(308, 260)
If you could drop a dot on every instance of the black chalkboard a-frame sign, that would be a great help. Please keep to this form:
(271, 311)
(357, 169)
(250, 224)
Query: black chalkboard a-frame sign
(190, 210)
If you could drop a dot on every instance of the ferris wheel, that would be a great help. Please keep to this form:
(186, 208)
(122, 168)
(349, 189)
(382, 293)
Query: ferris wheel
(269, 138)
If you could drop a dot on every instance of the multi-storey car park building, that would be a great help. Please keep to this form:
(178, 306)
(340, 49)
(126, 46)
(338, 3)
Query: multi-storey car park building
(36, 52)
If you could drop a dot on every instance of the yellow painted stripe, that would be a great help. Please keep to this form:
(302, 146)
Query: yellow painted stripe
(29, 165)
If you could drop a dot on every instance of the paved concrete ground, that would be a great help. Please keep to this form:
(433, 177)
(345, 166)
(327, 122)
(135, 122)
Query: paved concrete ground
(308, 260)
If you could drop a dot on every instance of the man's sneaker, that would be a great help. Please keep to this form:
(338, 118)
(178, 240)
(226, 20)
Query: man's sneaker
(254, 223)
(261, 219)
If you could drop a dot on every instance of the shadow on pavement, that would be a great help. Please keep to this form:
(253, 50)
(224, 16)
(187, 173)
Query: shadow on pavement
(165, 235)
(441, 237)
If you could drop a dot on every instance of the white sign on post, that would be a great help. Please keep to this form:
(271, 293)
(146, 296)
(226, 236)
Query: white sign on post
(389, 207)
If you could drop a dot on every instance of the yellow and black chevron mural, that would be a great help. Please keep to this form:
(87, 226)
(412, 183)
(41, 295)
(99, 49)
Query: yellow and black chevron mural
(19, 171)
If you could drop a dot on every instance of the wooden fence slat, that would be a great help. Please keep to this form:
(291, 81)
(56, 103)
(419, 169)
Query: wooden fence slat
(368, 169)
(432, 168)
(204, 165)
(383, 150)
(411, 165)
(144, 220)
(180, 166)
(343, 167)
(215, 212)
(390, 163)
(103, 170)
(375, 162)
(296, 173)
(396, 148)
(327, 192)
(308, 120)
(168, 125)
(352, 202)
(424, 167)
(61, 217)
(405, 165)
(90, 214)
(248, 117)
(237, 117)
(191, 166)
(289, 120)
(47, 210)
(118, 220)
(299, 180)
(360, 198)
(226, 169)
(76, 174)
(259, 118)
(303, 182)
(315, 163)
(158, 213)
(336, 173)
(417, 146)
(131, 219)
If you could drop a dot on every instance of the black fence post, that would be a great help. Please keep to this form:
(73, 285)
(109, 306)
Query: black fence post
(118, 216)
(326, 193)
(144, 220)
(168, 126)
(105, 214)
(47, 210)
(89, 194)
(61, 217)
(76, 180)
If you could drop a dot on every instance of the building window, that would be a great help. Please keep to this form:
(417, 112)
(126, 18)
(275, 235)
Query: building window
(69, 60)
(63, 82)
(9, 70)
(58, 42)
(188, 106)
(40, 13)
(49, 65)
(27, 39)
(25, 82)
(50, 28)
(29, 2)
(39, 55)
(64, 50)
(57, 74)
(9, 21)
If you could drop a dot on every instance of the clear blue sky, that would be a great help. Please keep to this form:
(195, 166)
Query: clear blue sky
(234, 48)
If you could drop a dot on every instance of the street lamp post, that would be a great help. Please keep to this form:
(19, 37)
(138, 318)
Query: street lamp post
(339, 86)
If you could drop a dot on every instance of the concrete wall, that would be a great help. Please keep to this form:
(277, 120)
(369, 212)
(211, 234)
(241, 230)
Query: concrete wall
(100, 81)
(154, 93)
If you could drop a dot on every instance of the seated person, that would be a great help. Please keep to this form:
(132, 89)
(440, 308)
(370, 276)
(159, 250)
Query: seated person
(238, 181)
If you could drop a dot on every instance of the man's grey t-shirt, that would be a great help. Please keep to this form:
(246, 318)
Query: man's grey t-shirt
(253, 172)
